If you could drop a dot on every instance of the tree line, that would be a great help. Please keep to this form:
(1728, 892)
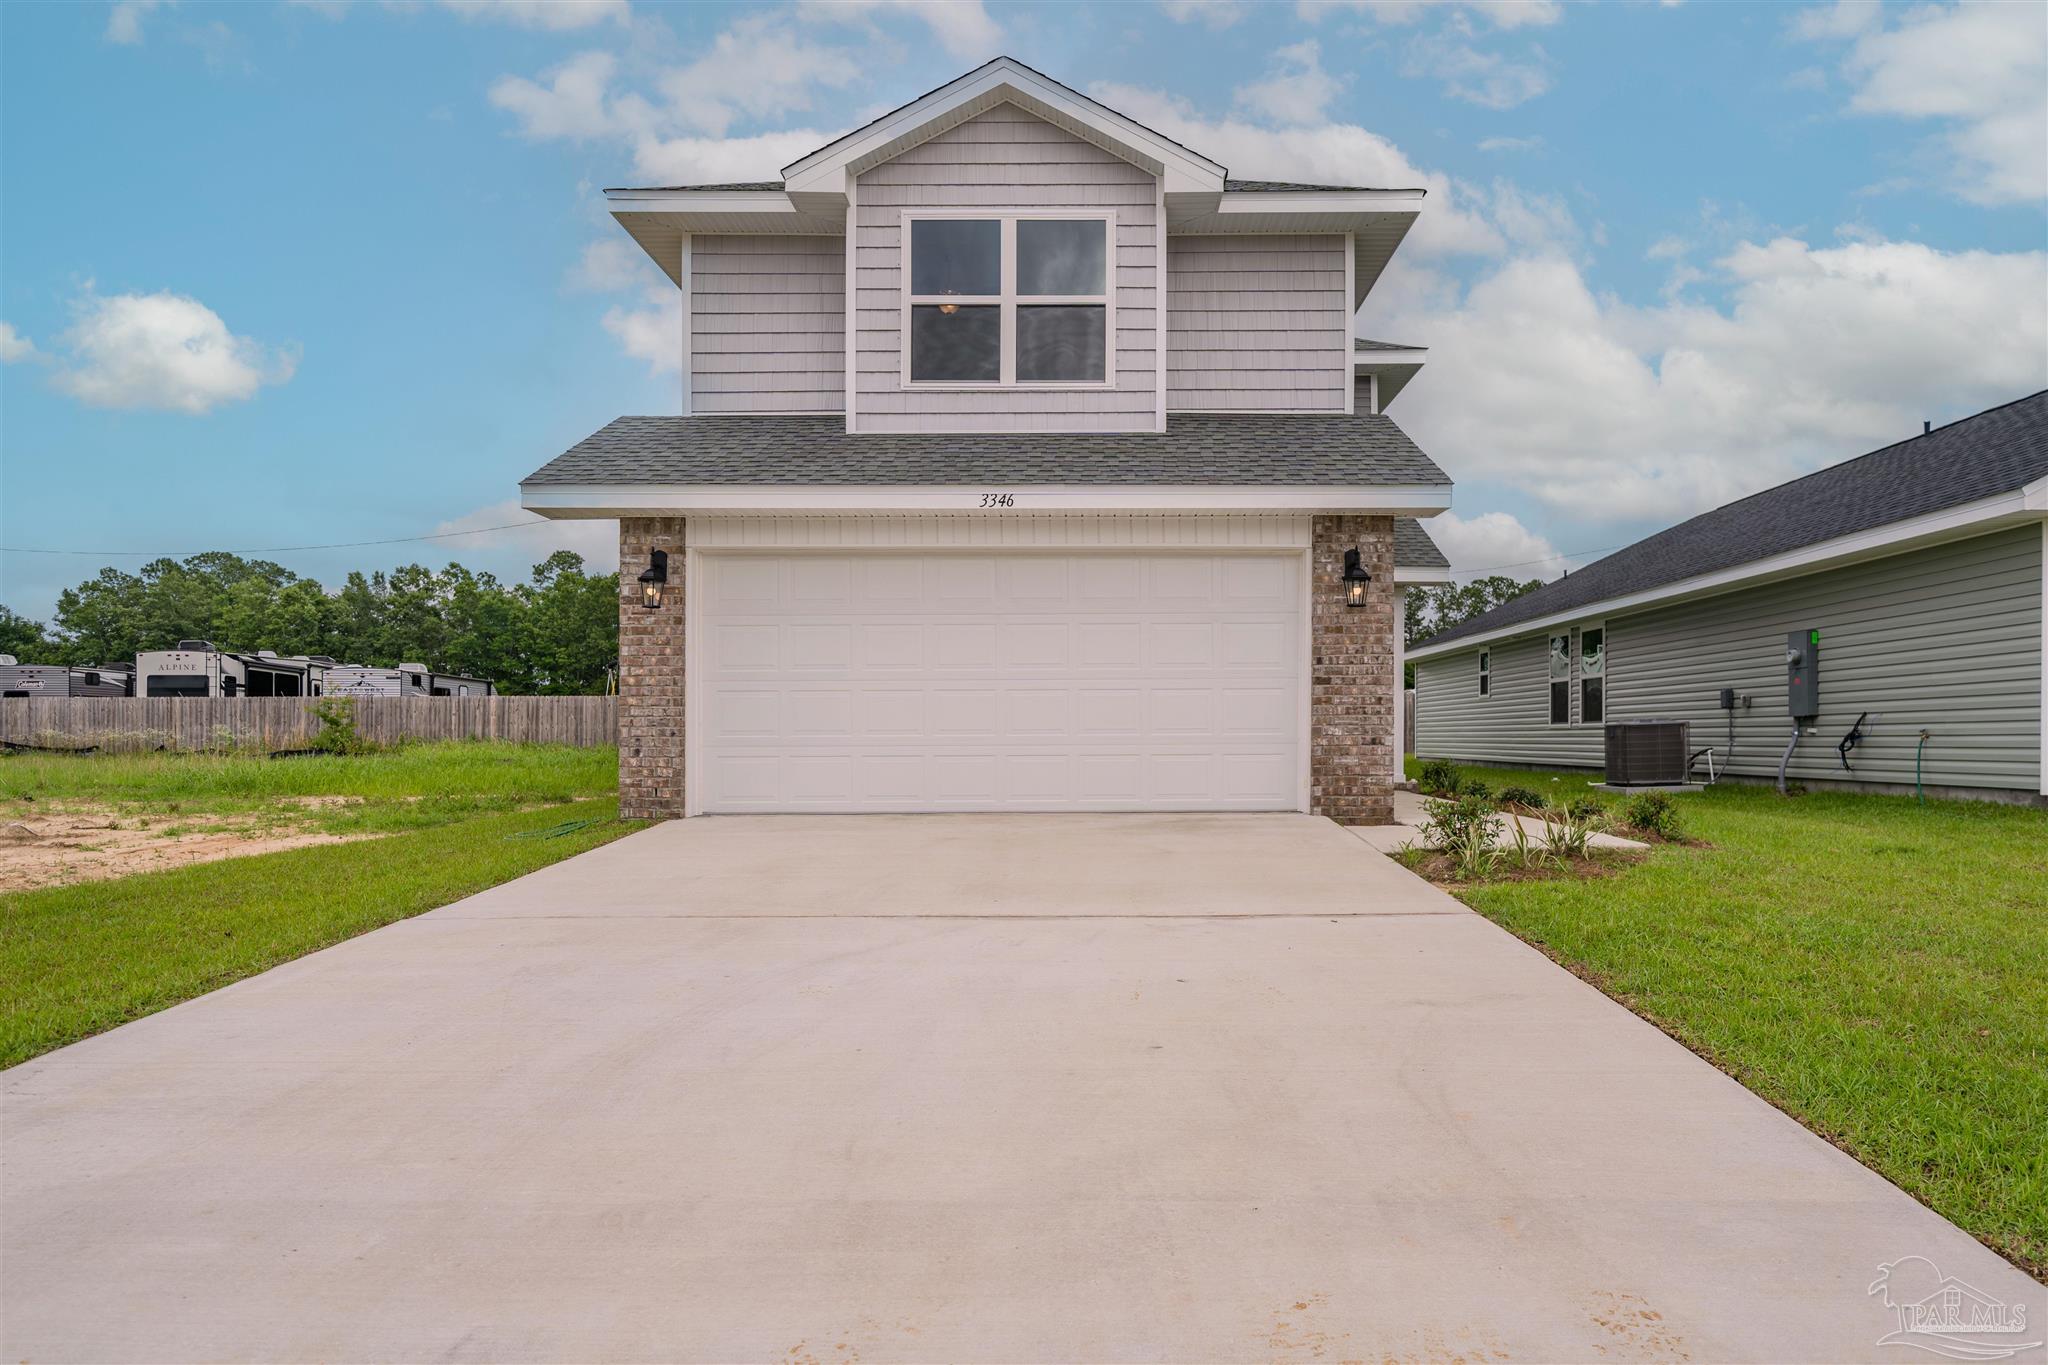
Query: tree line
(1431, 610)
(557, 633)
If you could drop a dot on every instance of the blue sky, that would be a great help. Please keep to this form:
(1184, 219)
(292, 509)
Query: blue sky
(311, 273)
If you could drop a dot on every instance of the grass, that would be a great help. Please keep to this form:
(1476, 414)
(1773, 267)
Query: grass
(77, 960)
(416, 786)
(1876, 968)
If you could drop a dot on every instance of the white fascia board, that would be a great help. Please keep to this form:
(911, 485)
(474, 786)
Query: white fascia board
(632, 500)
(1319, 201)
(1954, 523)
(826, 170)
(699, 201)
(1363, 361)
(1408, 578)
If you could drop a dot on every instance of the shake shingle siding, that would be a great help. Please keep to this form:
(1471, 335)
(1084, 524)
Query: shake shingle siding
(1256, 323)
(767, 324)
(1004, 159)
(1946, 638)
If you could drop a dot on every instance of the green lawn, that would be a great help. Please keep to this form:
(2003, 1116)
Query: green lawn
(1874, 967)
(76, 960)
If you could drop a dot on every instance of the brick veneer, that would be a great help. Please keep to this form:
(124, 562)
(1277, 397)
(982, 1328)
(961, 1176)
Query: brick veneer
(1351, 690)
(650, 673)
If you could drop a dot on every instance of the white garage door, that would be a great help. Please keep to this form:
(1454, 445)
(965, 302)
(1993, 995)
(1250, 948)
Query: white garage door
(1010, 681)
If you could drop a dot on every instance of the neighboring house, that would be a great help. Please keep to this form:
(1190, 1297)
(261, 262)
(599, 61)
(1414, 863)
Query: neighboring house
(1919, 564)
(1023, 458)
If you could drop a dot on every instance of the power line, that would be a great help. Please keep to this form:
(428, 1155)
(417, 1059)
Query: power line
(277, 549)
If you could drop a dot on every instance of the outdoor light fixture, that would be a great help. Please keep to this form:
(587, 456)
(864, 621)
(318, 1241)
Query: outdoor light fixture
(1355, 579)
(653, 577)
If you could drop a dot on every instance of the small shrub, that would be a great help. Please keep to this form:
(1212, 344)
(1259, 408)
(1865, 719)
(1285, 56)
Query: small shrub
(1474, 788)
(337, 733)
(1466, 831)
(1653, 813)
(1438, 777)
(1585, 808)
(1525, 853)
(1568, 828)
(1521, 796)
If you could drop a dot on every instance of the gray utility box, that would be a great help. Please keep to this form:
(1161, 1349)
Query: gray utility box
(1648, 753)
(1802, 674)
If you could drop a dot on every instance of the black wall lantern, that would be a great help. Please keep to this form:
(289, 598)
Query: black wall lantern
(1355, 579)
(652, 579)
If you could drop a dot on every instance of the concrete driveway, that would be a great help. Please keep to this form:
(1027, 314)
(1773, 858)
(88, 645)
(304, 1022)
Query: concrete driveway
(1020, 1088)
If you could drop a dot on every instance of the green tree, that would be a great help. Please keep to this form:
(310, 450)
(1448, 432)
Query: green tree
(1434, 610)
(25, 639)
(572, 625)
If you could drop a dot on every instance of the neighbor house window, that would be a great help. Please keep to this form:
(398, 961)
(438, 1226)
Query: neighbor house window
(1592, 675)
(1485, 674)
(1008, 300)
(1561, 679)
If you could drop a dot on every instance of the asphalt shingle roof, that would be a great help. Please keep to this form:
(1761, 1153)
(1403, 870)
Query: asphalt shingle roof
(1413, 549)
(1285, 449)
(1993, 452)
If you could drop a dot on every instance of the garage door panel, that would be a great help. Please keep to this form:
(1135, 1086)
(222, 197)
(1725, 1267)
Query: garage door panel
(1015, 681)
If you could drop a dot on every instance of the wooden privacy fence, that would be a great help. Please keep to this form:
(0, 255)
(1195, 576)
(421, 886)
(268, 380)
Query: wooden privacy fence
(138, 723)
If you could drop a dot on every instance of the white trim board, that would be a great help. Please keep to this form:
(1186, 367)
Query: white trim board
(1954, 523)
(633, 500)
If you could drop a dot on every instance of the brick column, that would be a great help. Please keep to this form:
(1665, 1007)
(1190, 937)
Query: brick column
(650, 673)
(1351, 691)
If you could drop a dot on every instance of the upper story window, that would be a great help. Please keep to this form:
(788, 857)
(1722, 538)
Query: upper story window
(1485, 673)
(1008, 299)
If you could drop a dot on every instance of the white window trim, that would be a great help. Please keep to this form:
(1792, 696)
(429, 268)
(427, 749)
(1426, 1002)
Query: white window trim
(1550, 683)
(1009, 300)
(1579, 672)
(1485, 657)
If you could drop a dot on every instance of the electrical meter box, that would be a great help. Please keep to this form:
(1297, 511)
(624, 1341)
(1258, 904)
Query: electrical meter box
(1802, 673)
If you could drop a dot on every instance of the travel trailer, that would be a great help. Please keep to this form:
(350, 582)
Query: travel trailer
(197, 669)
(406, 680)
(56, 680)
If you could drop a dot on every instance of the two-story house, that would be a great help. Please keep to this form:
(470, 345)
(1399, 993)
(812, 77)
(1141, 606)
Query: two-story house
(1027, 463)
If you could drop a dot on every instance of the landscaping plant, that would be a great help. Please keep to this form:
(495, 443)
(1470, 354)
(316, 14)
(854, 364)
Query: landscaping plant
(1527, 799)
(1653, 813)
(1438, 777)
(1568, 828)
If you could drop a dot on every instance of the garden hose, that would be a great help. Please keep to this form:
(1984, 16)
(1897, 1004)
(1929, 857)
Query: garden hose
(1919, 749)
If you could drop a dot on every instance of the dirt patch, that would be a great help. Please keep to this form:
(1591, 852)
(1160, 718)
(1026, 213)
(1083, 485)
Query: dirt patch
(61, 848)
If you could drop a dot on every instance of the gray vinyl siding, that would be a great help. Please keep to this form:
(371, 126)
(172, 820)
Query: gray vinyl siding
(767, 324)
(1256, 322)
(1005, 158)
(1947, 638)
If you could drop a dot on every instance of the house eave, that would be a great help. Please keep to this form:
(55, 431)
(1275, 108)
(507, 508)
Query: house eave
(573, 501)
(2016, 508)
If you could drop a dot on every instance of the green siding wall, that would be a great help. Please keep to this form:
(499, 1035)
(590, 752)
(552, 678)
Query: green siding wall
(1948, 638)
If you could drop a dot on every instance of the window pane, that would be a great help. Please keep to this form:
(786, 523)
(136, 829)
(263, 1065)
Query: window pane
(1592, 652)
(965, 343)
(956, 256)
(1560, 703)
(1560, 656)
(1061, 256)
(1590, 701)
(1060, 342)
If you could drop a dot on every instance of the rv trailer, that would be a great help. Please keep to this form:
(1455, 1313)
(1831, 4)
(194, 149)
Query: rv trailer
(406, 680)
(197, 669)
(56, 680)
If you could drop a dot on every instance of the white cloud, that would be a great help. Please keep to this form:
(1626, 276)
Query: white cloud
(1295, 89)
(15, 346)
(124, 20)
(1332, 153)
(596, 541)
(164, 351)
(1610, 412)
(962, 27)
(758, 68)
(1494, 543)
(1214, 15)
(718, 161)
(1510, 144)
(1505, 14)
(1980, 69)
(1469, 73)
(652, 332)
(613, 263)
(553, 15)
